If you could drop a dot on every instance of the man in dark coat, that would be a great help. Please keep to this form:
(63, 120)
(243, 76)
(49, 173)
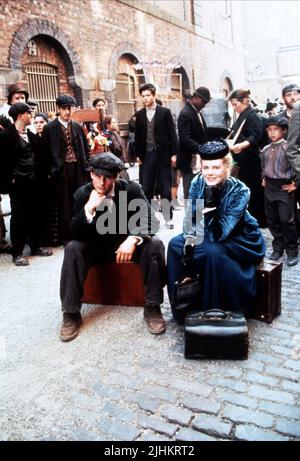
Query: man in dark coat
(15, 93)
(156, 146)
(192, 131)
(22, 168)
(65, 142)
(104, 228)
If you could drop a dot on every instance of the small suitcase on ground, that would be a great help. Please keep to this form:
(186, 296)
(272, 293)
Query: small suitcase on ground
(216, 334)
(267, 304)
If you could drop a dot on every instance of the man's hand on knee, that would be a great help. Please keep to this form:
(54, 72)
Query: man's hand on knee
(126, 249)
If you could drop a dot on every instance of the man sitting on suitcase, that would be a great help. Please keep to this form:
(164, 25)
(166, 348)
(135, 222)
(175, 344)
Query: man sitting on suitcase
(105, 228)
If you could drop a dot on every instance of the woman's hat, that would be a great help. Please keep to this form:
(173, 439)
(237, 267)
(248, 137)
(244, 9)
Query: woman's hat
(213, 150)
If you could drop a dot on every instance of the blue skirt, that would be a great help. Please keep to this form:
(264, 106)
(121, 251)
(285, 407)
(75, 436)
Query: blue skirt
(227, 271)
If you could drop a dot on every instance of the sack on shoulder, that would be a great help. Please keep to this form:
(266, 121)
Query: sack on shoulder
(187, 294)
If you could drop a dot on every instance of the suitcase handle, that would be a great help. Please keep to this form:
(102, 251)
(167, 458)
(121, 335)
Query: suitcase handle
(215, 313)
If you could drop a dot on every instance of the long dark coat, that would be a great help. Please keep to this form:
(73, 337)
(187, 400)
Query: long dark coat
(165, 135)
(191, 133)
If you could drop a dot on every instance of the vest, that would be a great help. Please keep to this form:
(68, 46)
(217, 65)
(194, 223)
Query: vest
(150, 140)
(70, 155)
(26, 165)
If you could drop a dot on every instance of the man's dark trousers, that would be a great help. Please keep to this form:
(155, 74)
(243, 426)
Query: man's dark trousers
(152, 171)
(279, 208)
(26, 212)
(80, 256)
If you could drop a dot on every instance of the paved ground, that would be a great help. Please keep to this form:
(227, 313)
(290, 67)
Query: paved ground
(118, 382)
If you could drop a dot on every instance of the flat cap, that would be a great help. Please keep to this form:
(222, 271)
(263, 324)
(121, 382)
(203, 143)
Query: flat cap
(106, 164)
(278, 120)
(213, 150)
(290, 87)
(203, 93)
(19, 108)
(32, 102)
(65, 100)
(16, 88)
(296, 88)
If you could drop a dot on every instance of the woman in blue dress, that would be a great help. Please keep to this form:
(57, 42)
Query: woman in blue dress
(221, 241)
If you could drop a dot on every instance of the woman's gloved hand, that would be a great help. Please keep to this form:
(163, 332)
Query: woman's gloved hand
(188, 255)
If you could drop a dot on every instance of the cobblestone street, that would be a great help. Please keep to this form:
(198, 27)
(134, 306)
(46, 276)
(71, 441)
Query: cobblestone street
(118, 382)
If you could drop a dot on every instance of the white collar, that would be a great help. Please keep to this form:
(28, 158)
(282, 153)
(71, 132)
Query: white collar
(151, 109)
(65, 124)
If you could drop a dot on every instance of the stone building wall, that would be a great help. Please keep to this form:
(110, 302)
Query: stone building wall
(88, 40)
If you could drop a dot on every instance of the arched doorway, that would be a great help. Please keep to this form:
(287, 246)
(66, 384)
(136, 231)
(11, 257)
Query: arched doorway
(179, 84)
(46, 72)
(39, 43)
(129, 77)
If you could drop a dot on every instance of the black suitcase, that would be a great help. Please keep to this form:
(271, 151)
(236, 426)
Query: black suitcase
(216, 334)
(267, 304)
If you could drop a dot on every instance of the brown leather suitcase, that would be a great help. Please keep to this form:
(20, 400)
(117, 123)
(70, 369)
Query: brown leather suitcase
(114, 284)
(267, 304)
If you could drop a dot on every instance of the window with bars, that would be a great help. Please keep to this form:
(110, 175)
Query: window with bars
(42, 85)
(197, 14)
(125, 99)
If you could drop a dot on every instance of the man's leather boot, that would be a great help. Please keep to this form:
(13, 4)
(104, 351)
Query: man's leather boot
(154, 320)
(70, 326)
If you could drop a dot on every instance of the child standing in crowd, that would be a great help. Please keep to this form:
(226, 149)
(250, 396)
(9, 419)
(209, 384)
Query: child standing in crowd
(279, 183)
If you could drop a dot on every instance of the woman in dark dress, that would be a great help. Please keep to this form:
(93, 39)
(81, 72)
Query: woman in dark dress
(224, 246)
(245, 151)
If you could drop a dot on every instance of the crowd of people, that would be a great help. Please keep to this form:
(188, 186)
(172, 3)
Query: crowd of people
(232, 188)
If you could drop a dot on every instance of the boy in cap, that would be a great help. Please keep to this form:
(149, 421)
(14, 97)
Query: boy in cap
(280, 185)
(104, 229)
(66, 145)
(20, 177)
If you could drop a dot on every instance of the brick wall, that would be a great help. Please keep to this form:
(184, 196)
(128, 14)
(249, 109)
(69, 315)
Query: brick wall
(93, 35)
